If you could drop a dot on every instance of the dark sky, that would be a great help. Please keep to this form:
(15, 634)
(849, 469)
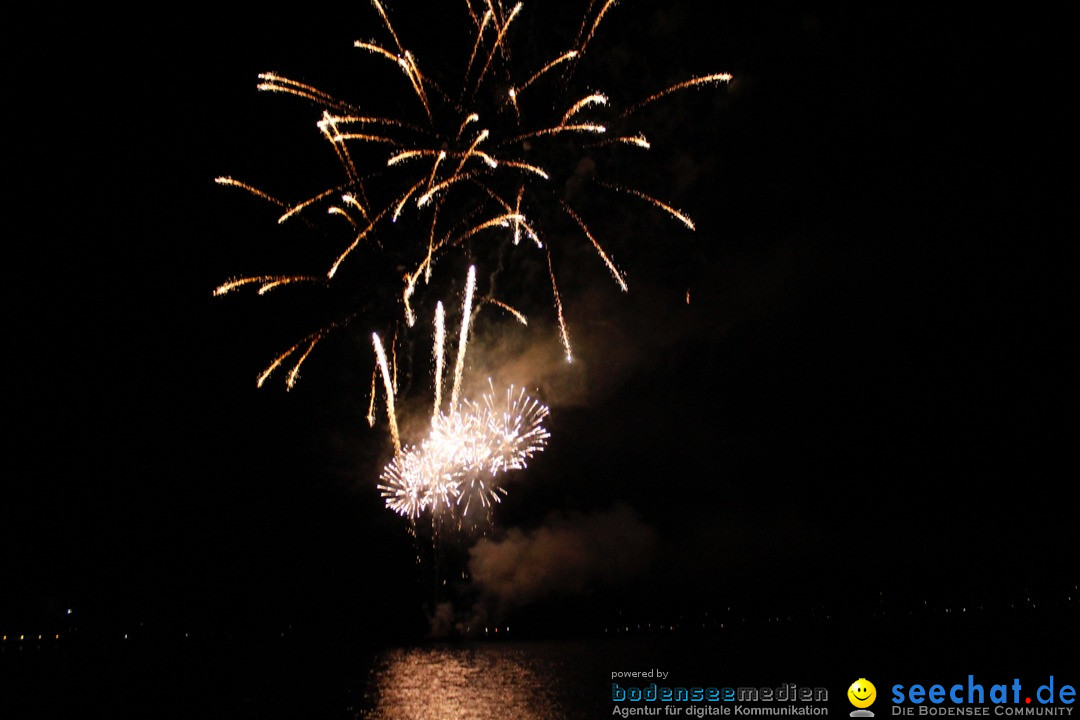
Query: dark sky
(872, 386)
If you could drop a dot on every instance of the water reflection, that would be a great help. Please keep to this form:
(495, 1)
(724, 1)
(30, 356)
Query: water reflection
(481, 682)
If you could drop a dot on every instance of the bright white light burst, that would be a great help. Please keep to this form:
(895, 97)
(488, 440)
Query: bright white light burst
(459, 466)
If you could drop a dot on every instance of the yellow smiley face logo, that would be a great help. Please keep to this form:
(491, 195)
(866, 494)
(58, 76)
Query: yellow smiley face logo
(862, 693)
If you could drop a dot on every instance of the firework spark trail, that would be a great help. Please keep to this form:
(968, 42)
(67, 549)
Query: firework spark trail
(469, 119)
(594, 99)
(339, 137)
(476, 47)
(253, 190)
(514, 92)
(294, 374)
(313, 338)
(335, 210)
(463, 337)
(408, 63)
(352, 246)
(599, 250)
(388, 386)
(393, 360)
(497, 221)
(558, 307)
(480, 137)
(638, 140)
(584, 23)
(371, 401)
(693, 82)
(439, 351)
(335, 120)
(436, 189)
(380, 51)
(557, 61)
(513, 311)
(495, 46)
(678, 215)
(517, 211)
(330, 132)
(513, 215)
(596, 24)
(295, 209)
(435, 168)
(275, 364)
(436, 159)
(539, 171)
(350, 200)
(386, 20)
(404, 199)
(265, 282)
(406, 297)
(279, 84)
(582, 127)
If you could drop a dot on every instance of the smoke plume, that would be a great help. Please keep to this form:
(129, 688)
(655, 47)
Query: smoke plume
(570, 554)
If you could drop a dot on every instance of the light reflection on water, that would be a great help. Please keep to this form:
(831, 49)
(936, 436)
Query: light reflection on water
(480, 682)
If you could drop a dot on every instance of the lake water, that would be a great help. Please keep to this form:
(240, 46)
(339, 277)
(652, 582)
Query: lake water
(521, 680)
(536, 681)
(572, 679)
(525, 680)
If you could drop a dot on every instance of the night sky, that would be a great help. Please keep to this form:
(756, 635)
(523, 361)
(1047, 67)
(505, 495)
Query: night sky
(871, 390)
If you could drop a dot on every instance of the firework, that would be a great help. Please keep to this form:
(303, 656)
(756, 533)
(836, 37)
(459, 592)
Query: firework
(463, 338)
(455, 471)
(388, 386)
(453, 166)
(459, 466)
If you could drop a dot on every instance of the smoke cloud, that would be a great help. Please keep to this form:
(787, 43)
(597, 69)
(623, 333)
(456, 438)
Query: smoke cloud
(569, 554)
